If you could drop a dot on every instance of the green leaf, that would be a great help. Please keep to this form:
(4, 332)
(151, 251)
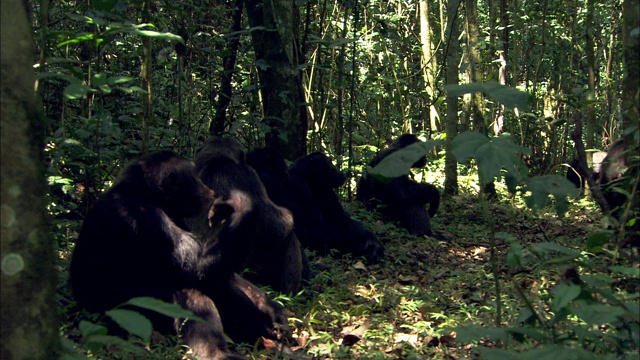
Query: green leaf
(555, 352)
(88, 328)
(465, 145)
(529, 332)
(159, 306)
(116, 80)
(159, 35)
(625, 270)
(598, 314)
(491, 155)
(595, 241)
(76, 91)
(506, 95)
(497, 354)
(541, 187)
(545, 248)
(131, 89)
(399, 162)
(565, 294)
(514, 256)
(132, 321)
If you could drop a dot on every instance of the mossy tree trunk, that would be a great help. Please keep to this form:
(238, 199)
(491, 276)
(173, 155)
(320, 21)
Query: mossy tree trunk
(27, 281)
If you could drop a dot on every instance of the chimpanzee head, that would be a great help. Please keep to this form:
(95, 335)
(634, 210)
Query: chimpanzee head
(222, 149)
(317, 168)
(170, 182)
(405, 140)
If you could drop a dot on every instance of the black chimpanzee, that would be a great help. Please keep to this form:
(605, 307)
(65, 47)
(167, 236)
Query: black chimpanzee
(401, 198)
(574, 176)
(275, 259)
(611, 173)
(134, 242)
(320, 220)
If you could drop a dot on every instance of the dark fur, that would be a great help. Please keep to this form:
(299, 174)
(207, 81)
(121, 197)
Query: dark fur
(401, 199)
(611, 175)
(134, 243)
(265, 230)
(321, 222)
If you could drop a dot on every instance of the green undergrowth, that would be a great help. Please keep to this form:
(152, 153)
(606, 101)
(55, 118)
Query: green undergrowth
(564, 292)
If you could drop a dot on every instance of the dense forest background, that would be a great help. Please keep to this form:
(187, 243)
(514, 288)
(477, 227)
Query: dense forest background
(117, 79)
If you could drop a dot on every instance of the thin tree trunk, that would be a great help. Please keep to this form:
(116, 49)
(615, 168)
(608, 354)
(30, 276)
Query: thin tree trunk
(28, 320)
(219, 122)
(474, 58)
(147, 77)
(591, 76)
(452, 59)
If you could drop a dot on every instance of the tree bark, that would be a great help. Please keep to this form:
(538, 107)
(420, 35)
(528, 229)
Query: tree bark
(28, 322)
(280, 80)
(474, 59)
(451, 74)
(591, 76)
(631, 63)
(219, 122)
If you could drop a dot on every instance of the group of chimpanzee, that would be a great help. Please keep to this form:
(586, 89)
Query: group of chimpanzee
(182, 232)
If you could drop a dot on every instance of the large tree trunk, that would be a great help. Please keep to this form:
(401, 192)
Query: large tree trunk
(28, 316)
(429, 63)
(280, 79)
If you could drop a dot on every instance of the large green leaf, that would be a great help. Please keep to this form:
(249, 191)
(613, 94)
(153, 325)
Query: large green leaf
(506, 95)
(159, 306)
(399, 162)
(598, 314)
(556, 352)
(491, 155)
(541, 187)
(565, 294)
(132, 321)
(76, 91)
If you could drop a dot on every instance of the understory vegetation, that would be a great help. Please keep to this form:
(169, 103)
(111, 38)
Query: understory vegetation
(567, 290)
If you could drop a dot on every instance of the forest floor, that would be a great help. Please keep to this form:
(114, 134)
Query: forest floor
(436, 299)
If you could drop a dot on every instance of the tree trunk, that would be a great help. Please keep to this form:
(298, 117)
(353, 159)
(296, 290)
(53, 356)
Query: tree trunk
(219, 122)
(451, 128)
(280, 79)
(474, 59)
(28, 322)
(631, 62)
(591, 76)
(147, 77)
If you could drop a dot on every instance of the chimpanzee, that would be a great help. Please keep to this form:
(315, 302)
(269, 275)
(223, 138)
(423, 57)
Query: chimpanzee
(321, 221)
(134, 242)
(611, 172)
(275, 258)
(401, 198)
(574, 176)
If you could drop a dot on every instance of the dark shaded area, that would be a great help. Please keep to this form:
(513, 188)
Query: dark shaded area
(308, 190)
(401, 198)
(264, 231)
